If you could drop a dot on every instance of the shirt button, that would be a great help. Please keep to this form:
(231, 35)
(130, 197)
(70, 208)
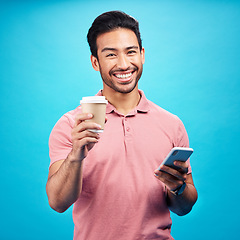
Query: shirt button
(128, 129)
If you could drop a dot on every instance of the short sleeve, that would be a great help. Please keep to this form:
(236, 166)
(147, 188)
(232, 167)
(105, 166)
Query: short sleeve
(182, 140)
(182, 136)
(60, 140)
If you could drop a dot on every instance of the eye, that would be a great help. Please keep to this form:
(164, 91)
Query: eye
(131, 52)
(110, 55)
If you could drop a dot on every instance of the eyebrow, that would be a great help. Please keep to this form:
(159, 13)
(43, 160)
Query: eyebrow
(132, 47)
(108, 49)
(114, 49)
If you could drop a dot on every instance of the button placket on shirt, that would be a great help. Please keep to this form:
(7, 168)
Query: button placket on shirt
(126, 126)
(128, 137)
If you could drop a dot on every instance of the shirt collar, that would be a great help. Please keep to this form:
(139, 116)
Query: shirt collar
(142, 107)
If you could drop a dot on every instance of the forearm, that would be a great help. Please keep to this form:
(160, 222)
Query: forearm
(182, 204)
(64, 186)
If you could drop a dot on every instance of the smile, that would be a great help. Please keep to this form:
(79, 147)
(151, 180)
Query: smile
(123, 76)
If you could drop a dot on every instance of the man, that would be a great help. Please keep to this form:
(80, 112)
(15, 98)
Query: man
(111, 177)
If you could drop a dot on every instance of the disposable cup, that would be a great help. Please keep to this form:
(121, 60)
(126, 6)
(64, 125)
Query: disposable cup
(96, 105)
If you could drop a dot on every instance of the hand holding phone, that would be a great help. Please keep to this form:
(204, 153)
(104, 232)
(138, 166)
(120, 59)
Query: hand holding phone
(177, 154)
(174, 180)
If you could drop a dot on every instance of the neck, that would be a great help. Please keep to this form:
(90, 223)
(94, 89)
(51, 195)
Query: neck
(123, 102)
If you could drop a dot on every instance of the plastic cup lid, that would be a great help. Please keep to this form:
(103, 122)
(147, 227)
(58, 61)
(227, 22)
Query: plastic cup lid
(94, 99)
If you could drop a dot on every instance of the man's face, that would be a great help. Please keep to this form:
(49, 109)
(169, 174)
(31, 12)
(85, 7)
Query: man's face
(120, 60)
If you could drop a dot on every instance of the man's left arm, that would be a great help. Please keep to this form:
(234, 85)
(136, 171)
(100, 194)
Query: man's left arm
(181, 192)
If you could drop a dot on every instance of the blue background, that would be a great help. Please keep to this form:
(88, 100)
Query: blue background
(192, 69)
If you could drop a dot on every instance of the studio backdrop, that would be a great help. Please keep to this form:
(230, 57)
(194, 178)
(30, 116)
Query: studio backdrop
(192, 69)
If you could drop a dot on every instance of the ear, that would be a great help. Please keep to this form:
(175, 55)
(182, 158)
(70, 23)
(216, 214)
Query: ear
(143, 55)
(95, 63)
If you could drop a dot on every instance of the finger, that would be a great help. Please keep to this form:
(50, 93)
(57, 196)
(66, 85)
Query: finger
(82, 117)
(84, 134)
(87, 140)
(167, 176)
(170, 181)
(176, 173)
(183, 166)
(81, 148)
(86, 126)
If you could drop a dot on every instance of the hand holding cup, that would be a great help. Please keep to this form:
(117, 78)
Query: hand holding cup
(96, 105)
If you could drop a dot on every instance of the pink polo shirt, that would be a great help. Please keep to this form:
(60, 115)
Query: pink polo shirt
(121, 199)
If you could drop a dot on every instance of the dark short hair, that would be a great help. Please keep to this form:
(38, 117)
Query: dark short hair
(109, 21)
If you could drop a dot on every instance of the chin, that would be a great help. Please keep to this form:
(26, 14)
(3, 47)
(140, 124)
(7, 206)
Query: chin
(126, 90)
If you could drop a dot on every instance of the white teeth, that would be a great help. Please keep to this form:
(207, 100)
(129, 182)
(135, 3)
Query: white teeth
(123, 75)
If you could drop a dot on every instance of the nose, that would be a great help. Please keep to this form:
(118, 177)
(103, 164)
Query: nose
(123, 62)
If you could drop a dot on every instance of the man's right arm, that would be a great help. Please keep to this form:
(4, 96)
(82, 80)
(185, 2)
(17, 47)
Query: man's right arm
(64, 182)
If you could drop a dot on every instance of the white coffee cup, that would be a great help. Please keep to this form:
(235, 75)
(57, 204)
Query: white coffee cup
(95, 105)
